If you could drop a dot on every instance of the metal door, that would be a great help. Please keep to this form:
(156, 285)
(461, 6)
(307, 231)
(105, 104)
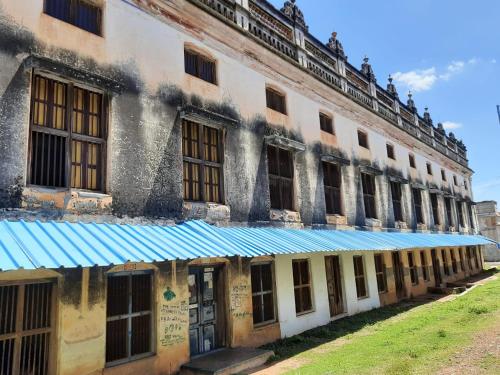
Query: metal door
(334, 284)
(202, 309)
(436, 268)
(399, 276)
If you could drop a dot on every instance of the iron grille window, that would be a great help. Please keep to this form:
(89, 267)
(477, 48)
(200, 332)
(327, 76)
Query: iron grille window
(262, 293)
(363, 139)
(80, 13)
(417, 205)
(368, 184)
(203, 162)
(129, 317)
(326, 123)
(413, 269)
(359, 276)
(280, 164)
(445, 263)
(423, 262)
(200, 66)
(67, 135)
(26, 321)
(381, 273)
(390, 152)
(411, 158)
(332, 181)
(397, 194)
(302, 285)
(435, 208)
(275, 100)
(449, 217)
(460, 213)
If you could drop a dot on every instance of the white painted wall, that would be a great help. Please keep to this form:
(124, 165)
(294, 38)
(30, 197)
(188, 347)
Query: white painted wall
(290, 323)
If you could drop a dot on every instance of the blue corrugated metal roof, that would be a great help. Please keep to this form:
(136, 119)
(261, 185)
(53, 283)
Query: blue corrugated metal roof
(31, 245)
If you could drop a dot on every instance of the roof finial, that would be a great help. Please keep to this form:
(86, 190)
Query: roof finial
(335, 45)
(411, 103)
(391, 88)
(427, 116)
(367, 70)
(293, 12)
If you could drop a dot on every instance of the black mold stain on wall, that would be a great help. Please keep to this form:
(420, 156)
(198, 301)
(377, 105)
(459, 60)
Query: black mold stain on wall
(97, 285)
(71, 286)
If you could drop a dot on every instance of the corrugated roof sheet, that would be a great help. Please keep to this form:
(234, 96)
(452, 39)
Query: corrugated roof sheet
(31, 245)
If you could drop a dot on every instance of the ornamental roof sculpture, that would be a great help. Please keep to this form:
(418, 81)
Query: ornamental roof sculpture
(411, 103)
(367, 70)
(427, 117)
(440, 129)
(391, 88)
(335, 46)
(293, 12)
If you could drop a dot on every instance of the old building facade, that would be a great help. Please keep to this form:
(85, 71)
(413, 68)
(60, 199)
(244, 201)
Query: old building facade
(489, 224)
(225, 112)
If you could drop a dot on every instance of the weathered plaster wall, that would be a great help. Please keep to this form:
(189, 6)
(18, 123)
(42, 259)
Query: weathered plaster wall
(144, 175)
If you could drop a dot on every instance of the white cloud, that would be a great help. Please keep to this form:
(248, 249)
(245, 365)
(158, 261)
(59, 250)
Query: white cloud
(424, 79)
(449, 125)
(493, 61)
(417, 80)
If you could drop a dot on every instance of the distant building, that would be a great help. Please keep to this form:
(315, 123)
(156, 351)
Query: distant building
(489, 225)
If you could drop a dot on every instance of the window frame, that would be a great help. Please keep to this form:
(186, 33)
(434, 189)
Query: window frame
(418, 206)
(200, 59)
(202, 163)
(444, 257)
(369, 196)
(309, 286)
(130, 315)
(68, 134)
(455, 180)
(412, 265)
(429, 169)
(261, 293)
(280, 179)
(397, 206)
(443, 175)
(460, 214)
(271, 96)
(328, 127)
(412, 161)
(360, 276)
(333, 193)
(435, 208)
(382, 273)
(72, 15)
(391, 151)
(423, 264)
(363, 139)
(448, 205)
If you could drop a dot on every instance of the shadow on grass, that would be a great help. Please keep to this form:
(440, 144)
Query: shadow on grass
(289, 347)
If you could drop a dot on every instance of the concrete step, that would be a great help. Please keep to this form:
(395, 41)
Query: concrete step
(226, 362)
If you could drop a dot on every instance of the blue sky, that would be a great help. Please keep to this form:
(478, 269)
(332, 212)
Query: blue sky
(446, 51)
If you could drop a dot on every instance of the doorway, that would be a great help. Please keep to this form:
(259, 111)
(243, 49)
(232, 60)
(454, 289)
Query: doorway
(206, 309)
(399, 276)
(334, 285)
(436, 268)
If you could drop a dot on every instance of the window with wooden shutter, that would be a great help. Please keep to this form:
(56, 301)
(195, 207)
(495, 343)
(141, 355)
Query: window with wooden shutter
(26, 328)
(68, 136)
(423, 262)
(203, 162)
(417, 205)
(326, 123)
(275, 100)
(302, 286)
(413, 268)
(359, 277)
(129, 317)
(368, 185)
(200, 66)
(262, 293)
(332, 182)
(435, 208)
(80, 13)
(280, 165)
(396, 194)
(380, 271)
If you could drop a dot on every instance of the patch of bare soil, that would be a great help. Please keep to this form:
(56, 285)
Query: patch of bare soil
(482, 357)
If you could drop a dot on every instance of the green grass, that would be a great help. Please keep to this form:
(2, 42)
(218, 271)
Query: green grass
(417, 340)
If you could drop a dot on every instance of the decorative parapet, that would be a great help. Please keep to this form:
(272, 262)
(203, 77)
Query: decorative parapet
(286, 33)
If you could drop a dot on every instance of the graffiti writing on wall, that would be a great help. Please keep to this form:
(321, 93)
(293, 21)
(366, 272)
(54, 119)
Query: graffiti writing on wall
(240, 295)
(174, 322)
